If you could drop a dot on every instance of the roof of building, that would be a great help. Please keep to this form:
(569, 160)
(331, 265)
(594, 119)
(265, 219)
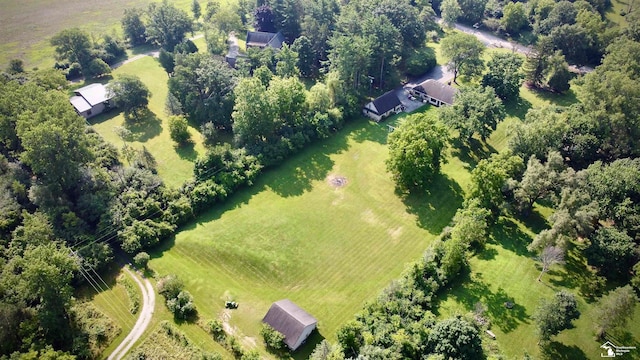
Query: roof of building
(288, 319)
(80, 103)
(94, 93)
(437, 90)
(262, 39)
(386, 102)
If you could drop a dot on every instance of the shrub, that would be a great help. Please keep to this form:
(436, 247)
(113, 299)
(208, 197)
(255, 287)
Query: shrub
(420, 61)
(141, 260)
(272, 338)
(182, 306)
(179, 129)
(170, 286)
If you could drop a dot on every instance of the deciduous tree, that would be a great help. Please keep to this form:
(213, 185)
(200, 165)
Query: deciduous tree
(455, 338)
(476, 110)
(504, 75)
(451, 11)
(133, 27)
(555, 315)
(179, 129)
(463, 54)
(167, 25)
(615, 310)
(131, 95)
(74, 46)
(204, 86)
(416, 150)
(489, 177)
(514, 17)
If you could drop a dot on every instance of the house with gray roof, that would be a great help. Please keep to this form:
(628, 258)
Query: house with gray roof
(383, 106)
(291, 321)
(91, 100)
(261, 39)
(434, 92)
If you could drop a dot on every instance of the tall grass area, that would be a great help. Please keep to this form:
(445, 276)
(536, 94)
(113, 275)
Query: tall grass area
(294, 235)
(113, 301)
(175, 164)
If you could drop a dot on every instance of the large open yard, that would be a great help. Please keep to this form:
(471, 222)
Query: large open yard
(296, 235)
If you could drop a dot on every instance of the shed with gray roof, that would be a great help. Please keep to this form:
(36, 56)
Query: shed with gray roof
(91, 100)
(291, 321)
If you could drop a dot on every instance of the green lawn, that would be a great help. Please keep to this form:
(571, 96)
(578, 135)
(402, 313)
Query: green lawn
(505, 271)
(293, 235)
(175, 164)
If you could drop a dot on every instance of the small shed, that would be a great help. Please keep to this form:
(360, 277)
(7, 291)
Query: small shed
(434, 92)
(261, 39)
(383, 106)
(291, 321)
(91, 100)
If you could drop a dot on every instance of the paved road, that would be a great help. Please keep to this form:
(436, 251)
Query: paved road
(491, 40)
(146, 313)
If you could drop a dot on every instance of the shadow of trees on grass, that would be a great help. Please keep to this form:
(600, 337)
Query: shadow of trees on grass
(468, 291)
(559, 351)
(507, 234)
(146, 128)
(435, 207)
(187, 151)
(471, 152)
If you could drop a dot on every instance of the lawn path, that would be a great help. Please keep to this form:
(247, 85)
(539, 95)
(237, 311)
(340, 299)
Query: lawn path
(148, 304)
(152, 53)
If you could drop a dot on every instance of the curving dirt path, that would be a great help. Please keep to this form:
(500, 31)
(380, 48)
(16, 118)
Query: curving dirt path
(146, 313)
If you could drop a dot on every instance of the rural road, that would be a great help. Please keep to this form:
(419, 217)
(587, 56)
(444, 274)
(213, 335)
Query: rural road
(491, 40)
(146, 313)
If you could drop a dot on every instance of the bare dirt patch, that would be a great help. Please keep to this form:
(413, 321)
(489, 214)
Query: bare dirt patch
(337, 181)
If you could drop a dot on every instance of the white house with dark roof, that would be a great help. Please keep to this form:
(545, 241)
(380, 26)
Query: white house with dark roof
(434, 92)
(261, 39)
(291, 321)
(383, 106)
(91, 100)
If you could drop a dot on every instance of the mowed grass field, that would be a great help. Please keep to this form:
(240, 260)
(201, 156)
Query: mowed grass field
(294, 235)
(27, 26)
(175, 163)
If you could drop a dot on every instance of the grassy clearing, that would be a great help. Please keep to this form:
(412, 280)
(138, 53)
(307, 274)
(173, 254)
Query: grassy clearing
(293, 235)
(113, 301)
(175, 164)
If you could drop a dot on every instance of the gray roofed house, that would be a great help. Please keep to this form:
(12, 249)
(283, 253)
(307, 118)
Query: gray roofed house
(91, 100)
(291, 321)
(383, 106)
(434, 92)
(263, 39)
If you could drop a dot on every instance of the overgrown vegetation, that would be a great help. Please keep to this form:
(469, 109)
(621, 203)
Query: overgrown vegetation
(132, 293)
